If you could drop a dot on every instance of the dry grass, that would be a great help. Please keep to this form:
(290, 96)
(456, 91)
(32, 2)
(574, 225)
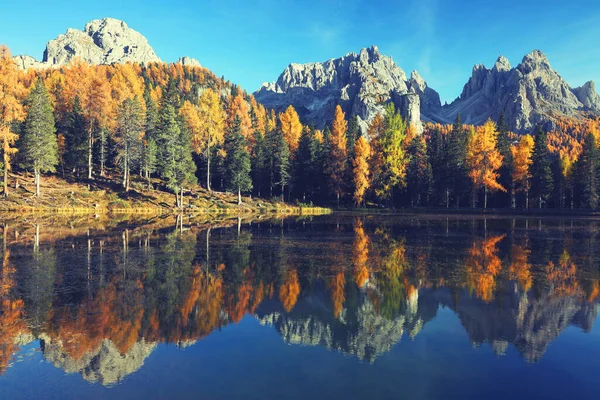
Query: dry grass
(104, 195)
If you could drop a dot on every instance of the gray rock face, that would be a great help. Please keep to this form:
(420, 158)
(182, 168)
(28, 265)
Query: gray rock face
(188, 62)
(588, 96)
(528, 94)
(360, 83)
(103, 41)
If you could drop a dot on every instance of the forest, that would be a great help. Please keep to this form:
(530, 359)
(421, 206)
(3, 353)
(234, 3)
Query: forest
(169, 127)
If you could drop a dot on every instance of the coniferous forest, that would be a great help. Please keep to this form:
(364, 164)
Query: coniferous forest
(171, 127)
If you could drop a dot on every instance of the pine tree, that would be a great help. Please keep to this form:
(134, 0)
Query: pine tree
(128, 136)
(303, 169)
(541, 173)
(588, 173)
(75, 138)
(39, 144)
(419, 173)
(237, 161)
(456, 168)
(281, 162)
(150, 149)
(259, 163)
(175, 161)
(436, 152)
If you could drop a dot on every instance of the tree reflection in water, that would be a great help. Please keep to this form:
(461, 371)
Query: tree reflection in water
(99, 302)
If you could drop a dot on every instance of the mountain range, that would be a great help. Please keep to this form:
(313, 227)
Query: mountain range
(362, 83)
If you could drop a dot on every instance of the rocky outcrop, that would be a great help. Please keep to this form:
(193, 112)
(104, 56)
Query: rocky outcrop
(188, 62)
(360, 83)
(529, 94)
(588, 96)
(103, 41)
(106, 365)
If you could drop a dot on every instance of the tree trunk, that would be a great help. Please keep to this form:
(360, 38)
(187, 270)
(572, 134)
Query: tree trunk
(125, 173)
(338, 200)
(527, 199)
(474, 198)
(181, 198)
(447, 198)
(240, 196)
(485, 192)
(37, 182)
(513, 200)
(540, 202)
(90, 148)
(5, 179)
(208, 168)
(282, 193)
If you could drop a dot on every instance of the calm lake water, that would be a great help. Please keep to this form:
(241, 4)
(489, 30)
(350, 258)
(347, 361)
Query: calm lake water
(333, 307)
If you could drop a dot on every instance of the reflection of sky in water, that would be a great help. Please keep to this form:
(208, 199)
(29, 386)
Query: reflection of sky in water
(423, 325)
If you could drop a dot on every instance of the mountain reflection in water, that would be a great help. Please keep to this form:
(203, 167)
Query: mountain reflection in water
(99, 302)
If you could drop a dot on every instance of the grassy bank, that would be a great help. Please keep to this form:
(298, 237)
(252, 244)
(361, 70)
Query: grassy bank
(104, 195)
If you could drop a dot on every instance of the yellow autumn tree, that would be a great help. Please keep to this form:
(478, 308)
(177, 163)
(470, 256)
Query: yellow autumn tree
(483, 265)
(336, 166)
(484, 159)
(289, 290)
(12, 92)
(291, 128)
(520, 269)
(521, 162)
(212, 127)
(362, 154)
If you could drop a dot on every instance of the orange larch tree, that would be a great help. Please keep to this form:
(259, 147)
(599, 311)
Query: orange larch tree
(362, 154)
(484, 160)
(12, 93)
(291, 128)
(522, 161)
(336, 166)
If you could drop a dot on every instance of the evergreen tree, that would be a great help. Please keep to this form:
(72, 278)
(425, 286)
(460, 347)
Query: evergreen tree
(436, 152)
(456, 168)
(419, 173)
(75, 138)
(352, 135)
(259, 163)
(39, 143)
(541, 173)
(175, 161)
(303, 169)
(150, 149)
(280, 162)
(237, 161)
(128, 136)
(588, 173)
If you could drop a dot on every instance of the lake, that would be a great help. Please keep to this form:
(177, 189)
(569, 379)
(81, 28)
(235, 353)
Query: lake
(332, 307)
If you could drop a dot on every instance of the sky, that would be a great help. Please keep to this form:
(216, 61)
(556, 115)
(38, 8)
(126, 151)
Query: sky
(252, 41)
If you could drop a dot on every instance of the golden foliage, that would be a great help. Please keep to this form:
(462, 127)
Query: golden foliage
(483, 159)
(291, 128)
(289, 290)
(362, 154)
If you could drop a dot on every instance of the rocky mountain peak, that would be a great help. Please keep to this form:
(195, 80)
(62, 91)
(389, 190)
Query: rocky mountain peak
(102, 41)
(360, 83)
(188, 61)
(502, 64)
(588, 96)
(536, 60)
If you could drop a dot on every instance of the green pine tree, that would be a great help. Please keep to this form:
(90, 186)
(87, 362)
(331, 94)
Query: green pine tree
(588, 173)
(237, 161)
(39, 144)
(419, 174)
(175, 161)
(281, 162)
(75, 138)
(128, 137)
(541, 173)
(456, 168)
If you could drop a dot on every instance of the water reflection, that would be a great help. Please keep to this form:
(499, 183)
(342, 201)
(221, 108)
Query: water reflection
(100, 300)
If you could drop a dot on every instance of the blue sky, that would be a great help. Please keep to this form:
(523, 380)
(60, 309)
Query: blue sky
(250, 42)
